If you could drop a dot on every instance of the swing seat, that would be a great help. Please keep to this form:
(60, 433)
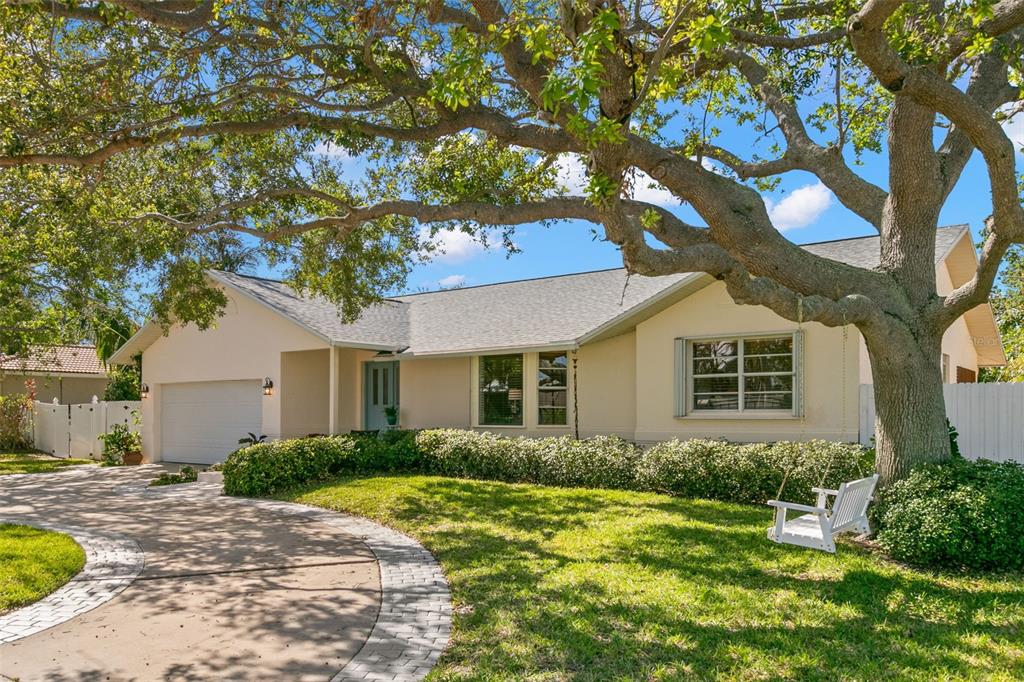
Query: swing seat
(818, 525)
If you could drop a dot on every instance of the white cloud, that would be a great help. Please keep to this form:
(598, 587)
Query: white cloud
(802, 207)
(332, 150)
(646, 188)
(451, 281)
(572, 175)
(454, 246)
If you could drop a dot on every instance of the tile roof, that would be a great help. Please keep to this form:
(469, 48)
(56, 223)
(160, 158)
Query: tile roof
(528, 313)
(65, 359)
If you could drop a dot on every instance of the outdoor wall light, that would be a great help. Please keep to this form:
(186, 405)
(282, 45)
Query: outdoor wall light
(144, 391)
(268, 386)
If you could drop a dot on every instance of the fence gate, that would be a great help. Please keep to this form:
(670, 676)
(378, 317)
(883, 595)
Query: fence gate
(51, 428)
(74, 430)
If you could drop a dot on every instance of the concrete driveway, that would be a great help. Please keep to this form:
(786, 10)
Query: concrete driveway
(228, 591)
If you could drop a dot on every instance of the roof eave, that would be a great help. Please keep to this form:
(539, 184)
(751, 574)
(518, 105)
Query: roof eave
(689, 284)
(489, 350)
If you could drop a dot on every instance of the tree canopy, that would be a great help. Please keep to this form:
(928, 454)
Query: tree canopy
(143, 140)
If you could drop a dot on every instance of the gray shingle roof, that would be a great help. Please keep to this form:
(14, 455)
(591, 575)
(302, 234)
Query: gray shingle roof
(385, 325)
(864, 252)
(523, 314)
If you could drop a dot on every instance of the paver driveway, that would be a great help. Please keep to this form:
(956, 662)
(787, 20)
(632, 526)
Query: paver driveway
(228, 591)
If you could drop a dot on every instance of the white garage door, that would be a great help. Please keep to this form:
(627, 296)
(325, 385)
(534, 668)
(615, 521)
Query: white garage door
(202, 422)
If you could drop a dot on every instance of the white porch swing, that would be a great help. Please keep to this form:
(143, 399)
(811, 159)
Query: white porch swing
(818, 526)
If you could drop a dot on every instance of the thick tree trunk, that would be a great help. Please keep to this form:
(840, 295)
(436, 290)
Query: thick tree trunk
(910, 412)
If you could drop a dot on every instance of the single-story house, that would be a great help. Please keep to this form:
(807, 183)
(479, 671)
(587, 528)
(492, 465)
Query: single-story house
(71, 374)
(590, 353)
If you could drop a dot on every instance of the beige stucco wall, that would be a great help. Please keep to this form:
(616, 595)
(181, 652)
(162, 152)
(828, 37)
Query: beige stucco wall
(350, 388)
(304, 392)
(957, 342)
(68, 390)
(246, 343)
(606, 372)
(435, 392)
(710, 311)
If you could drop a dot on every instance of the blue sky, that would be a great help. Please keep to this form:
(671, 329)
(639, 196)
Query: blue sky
(802, 208)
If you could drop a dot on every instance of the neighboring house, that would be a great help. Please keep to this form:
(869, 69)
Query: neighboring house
(591, 353)
(71, 374)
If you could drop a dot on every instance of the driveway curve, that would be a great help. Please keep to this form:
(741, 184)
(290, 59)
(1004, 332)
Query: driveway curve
(231, 588)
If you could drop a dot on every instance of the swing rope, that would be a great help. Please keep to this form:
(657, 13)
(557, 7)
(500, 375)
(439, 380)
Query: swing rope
(802, 379)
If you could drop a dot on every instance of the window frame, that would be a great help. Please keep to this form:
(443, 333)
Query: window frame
(478, 413)
(684, 377)
(538, 388)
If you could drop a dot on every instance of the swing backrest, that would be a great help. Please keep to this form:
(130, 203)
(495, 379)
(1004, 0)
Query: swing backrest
(851, 504)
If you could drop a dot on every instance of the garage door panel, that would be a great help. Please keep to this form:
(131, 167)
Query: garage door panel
(201, 422)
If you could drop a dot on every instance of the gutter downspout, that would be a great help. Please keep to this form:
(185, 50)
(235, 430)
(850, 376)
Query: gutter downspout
(575, 394)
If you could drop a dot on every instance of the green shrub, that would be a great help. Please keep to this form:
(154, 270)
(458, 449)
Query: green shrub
(956, 514)
(266, 468)
(600, 462)
(697, 468)
(186, 474)
(388, 452)
(750, 473)
(118, 442)
(15, 425)
(123, 383)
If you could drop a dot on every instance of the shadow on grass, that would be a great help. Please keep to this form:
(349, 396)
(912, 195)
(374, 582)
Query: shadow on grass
(599, 584)
(34, 463)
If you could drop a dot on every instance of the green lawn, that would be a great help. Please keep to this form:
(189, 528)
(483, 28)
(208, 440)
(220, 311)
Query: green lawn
(34, 463)
(34, 563)
(551, 584)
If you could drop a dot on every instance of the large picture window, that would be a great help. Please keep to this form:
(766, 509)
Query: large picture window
(501, 390)
(552, 388)
(745, 374)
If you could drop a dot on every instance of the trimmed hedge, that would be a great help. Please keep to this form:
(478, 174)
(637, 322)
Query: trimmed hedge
(599, 462)
(697, 468)
(959, 513)
(749, 473)
(266, 468)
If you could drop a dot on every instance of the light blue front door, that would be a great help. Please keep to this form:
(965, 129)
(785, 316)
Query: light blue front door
(380, 384)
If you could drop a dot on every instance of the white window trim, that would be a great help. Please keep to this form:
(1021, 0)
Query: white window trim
(531, 365)
(684, 380)
(476, 394)
(568, 391)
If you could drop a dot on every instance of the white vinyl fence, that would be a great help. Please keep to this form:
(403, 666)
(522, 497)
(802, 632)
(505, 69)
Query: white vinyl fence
(74, 430)
(988, 417)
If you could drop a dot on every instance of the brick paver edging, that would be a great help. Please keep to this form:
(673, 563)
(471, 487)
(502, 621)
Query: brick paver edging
(415, 619)
(112, 562)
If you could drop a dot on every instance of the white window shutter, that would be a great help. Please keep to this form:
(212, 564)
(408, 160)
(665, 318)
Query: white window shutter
(680, 378)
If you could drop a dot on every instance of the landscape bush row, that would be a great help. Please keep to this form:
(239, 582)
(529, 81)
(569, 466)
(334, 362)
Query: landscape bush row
(959, 514)
(718, 470)
(968, 514)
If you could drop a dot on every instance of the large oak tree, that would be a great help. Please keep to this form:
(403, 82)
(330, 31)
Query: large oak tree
(160, 136)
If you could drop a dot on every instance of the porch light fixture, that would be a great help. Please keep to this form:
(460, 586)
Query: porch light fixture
(144, 391)
(268, 386)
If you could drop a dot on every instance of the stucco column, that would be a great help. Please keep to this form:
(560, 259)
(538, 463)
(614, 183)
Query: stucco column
(332, 401)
